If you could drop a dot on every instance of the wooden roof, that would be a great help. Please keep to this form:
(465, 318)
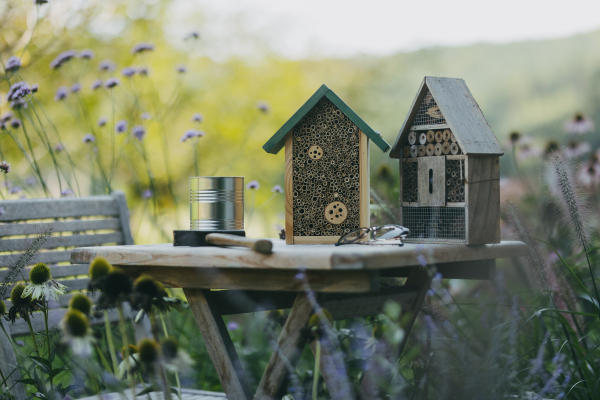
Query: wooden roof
(278, 139)
(462, 114)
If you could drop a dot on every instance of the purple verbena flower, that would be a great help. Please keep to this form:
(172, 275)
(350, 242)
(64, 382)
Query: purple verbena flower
(18, 104)
(128, 72)
(277, 189)
(12, 64)
(142, 47)
(86, 54)
(5, 167)
(579, 125)
(17, 91)
(111, 83)
(102, 121)
(190, 134)
(263, 107)
(97, 84)
(61, 94)
(30, 181)
(107, 65)
(34, 88)
(233, 326)
(15, 189)
(59, 147)
(139, 132)
(146, 116)
(66, 192)
(143, 71)
(15, 123)
(121, 126)
(76, 88)
(6, 116)
(253, 185)
(146, 194)
(197, 117)
(182, 69)
(62, 58)
(88, 138)
(192, 35)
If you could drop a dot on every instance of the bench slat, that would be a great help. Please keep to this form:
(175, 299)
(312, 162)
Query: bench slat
(13, 229)
(48, 257)
(57, 271)
(28, 209)
(63, 241)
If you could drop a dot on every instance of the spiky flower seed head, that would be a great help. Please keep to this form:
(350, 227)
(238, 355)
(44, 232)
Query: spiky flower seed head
(314, 319)
(146, 286)
(2, 308)
(149, 350)
(132, 350)
(99, 268)
(40, 274)
(117, 283)
(169, 345)
(76, 323)
(81, 303)
(15, 296)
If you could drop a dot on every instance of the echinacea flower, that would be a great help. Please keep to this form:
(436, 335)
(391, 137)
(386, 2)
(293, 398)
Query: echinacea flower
(579, 125)
(128, 72)
(182, 69)
(134, 359)
(102, 121)
(138, 132)
(111, 83)
(99, 270)
(5, 167)
(576, 149)
(18, 91)
(551, 147)
(253, 185)
(76, 88)
(190, 134)
(589, 174)
(263, 107)
(106, 66)
(86, 54)
(81, 303)
(149, 350)
(77, 332)
(197, 117)
(88, 138)
(62, 58)
(66, 192)
(2, 308)
(12, 64)
(142, 47)
(22, 307)
(61, 94)
(15, 123)
(175, 359)
(41, 285)
(97, 84)
(277, 189)
(121, 127)
(115, 287)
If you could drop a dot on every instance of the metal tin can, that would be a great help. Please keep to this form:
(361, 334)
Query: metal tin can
(216, 203)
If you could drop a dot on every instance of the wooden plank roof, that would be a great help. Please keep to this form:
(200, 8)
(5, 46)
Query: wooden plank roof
(462, 114)
(277, 141)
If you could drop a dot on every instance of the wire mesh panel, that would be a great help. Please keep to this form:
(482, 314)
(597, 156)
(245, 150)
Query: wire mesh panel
(429, 113)
(455, 181)
(435, 224)
(410, 181)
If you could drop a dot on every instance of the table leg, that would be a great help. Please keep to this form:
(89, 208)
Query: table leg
(219, 344)
(420, 279)
(290, 344)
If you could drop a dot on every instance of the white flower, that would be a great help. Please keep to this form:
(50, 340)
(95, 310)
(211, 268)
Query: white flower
(134, 359)
(181, 362)
(77, 332)
(49, 290)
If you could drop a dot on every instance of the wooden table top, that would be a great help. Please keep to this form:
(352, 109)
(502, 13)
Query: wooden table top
(293, 257)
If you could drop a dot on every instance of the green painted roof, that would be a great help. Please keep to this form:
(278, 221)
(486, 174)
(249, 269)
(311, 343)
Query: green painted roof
(278, 139)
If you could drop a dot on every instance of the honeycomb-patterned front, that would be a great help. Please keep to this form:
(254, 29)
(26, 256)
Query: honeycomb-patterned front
(410, 192)
(334, 177)
(455, 181)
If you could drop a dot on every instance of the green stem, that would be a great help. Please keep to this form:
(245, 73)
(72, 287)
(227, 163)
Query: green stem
(126, 348)
(316, 373)
(111, 345)
(166, 332)
(49, 347)
(101, 357)
(28, 320)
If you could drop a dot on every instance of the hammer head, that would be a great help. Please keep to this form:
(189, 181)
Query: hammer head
(198, 238)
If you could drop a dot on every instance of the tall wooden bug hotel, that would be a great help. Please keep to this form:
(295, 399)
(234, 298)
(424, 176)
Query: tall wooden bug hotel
(449, 167)
(326, 169)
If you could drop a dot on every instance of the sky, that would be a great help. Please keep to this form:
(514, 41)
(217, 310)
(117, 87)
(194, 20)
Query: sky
(335, 28)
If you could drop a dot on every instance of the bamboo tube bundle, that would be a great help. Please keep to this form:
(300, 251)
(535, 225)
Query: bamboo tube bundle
(422, 151)
(454, 149)
(414, 150)
(430, 136)
(423, 138)
(438, 136)
(446, 148)
(446, 135)
(406, 151)
(412, 137)
(430, 149)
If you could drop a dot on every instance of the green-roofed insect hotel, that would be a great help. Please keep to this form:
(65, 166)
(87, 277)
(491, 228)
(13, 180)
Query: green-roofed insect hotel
(326, 169)
(449, 167)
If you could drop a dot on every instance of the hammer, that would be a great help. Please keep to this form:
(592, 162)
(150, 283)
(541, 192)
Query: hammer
(221, 238)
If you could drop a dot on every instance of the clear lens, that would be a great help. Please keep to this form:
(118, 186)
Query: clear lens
(354, 236)
(390, 232)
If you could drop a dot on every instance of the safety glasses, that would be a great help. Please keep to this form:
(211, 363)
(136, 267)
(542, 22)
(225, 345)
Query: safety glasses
(376, 235)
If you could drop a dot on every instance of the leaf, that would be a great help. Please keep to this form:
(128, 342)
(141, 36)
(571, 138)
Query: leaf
(57, 371)
(40, 395)
(39, 384)
(42, 362)
(149, 389)
(72, 387)
(27, 381)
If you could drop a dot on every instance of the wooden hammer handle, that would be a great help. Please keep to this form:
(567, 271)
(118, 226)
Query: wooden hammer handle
(262, 246)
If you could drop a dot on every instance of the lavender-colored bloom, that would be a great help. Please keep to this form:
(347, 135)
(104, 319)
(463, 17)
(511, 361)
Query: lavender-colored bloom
(62, 58)
(86, 54)
(2, 212)
(111, 83)
(102, 121)
(263, 107)
(121, 126)
(34, 88)
(17, 91)
(277, 189)
(579, 125)
(17, 104)
(143, 71)
(5, 167)
(128, 72)
(142, 47)
(59, 147)
(233, 326)
(192, 35)
(253, 185)
(576, 149)
(300, 276)
(66, 192)
(139, 132)
(182, 69)
(422, 260)
(589, 175)
(6, 116)
(147, 193)
(76, 88)
(88, 138)
(12, 64)
(97, 84)
(15, 190)
(30, 181)
(146, 116)
(190, 134)
(61, 94)
(107, 65)
(197, 117)
(15, 123)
